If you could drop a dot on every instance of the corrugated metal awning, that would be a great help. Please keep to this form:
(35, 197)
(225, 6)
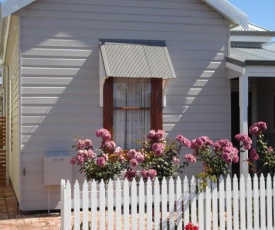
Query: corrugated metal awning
(251, 56)
(131, 58)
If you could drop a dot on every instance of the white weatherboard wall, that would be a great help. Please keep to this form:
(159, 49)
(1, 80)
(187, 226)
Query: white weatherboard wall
(13, 117)
(60, 74)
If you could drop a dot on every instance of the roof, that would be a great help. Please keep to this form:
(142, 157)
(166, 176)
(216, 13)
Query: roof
(223, 7)
(250, 27)
(136, 58)
(251, 30)
(251, 56)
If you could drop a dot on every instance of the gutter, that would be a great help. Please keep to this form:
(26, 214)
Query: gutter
(250, 62)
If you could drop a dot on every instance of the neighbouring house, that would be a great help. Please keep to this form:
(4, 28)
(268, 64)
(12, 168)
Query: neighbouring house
(251, 70)
(74, 66)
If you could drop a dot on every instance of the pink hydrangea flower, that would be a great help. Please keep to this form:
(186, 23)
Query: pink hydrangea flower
(220, 144)
(158, 148)
(140, 157)
(151, 135)
(130, 174)
(134, 162)
(247, 142)
(253, 155)
(257, 128)
(118, 150)
(200, 142)
(104, 134)
(175, 160)
(159, 134)
(132, 153)
(150, 173)
(181, 139)
(190, 158)
(80, 159)
(91, 154)
(230, 154)
(87, 143)
(100, 161)
(108, 145)
(270, 149)
(73, 160)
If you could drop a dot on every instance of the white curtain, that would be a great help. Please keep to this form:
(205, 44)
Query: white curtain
(131, 124)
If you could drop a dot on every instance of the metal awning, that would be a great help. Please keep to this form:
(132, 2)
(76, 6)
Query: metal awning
(136, 59)
(251, 56)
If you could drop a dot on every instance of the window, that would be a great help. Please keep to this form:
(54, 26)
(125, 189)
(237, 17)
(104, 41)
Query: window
(132, 107)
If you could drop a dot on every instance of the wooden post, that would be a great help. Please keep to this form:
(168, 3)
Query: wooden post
(243, 103)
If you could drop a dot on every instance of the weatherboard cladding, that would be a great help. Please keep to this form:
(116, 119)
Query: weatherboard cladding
(149, 59)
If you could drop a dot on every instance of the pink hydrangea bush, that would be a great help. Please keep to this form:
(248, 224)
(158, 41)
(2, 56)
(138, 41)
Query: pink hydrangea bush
(105, 165)
(216, 157)
(262, 157)
(156, 158)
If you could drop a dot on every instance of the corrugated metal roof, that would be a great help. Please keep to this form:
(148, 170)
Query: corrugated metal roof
(144, 59)
(251, 27)
(251, 54)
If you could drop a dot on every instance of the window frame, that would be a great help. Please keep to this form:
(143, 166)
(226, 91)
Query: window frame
(155, 110)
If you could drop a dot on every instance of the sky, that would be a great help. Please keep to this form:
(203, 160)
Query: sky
(260, 12)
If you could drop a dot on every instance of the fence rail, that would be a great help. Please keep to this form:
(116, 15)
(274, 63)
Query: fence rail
(244, 204)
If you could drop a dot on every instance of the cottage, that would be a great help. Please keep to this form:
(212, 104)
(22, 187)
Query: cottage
(66, 63)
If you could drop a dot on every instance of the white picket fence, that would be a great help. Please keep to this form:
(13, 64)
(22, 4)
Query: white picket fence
(244, 204)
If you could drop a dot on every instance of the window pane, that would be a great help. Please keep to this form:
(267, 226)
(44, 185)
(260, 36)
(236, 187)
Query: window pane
(129, 126)
(132, 92)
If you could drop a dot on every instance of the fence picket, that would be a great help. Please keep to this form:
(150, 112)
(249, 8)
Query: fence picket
(102, 205)
(256, 201)
(228, 203)
(164, 204)
(221, 203)
(214, 206)
(193, 201)
(185, 201)
(63, 203)
(93, 205)
(141, 205)
(134, 204)
(235, 203)
(242, 202)
(110, 205)
(85, 220)
(273, 193)
(253, 204)
(249, 206)
(149, 204)
(126, 204)
(208, 211)
(118, 204)
(76, 206)
(201, 207)
(262, 203)
(179, 203)
(269, 202)
(171, 203)
(156, 204)
(68, 205)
